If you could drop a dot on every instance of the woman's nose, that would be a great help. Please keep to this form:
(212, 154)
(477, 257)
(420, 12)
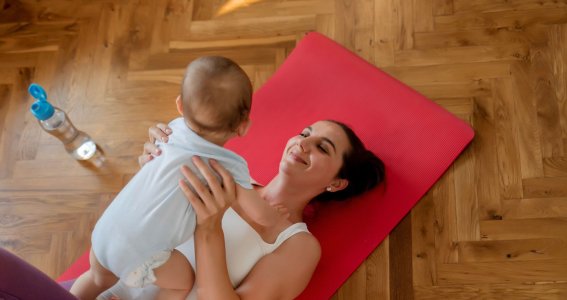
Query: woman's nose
(304, 144)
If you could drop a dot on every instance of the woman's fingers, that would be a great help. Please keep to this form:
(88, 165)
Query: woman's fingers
(202, 191)
(227, 179)
(196, 203)
(211, 179)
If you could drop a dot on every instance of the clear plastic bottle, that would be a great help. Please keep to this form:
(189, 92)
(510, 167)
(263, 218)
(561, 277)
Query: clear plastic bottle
(56, 122)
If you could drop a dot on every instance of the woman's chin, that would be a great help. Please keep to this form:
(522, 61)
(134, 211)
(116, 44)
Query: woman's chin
(289, 168)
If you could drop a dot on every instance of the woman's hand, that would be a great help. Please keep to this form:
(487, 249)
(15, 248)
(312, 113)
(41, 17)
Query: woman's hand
(209, 203)
(158, 132)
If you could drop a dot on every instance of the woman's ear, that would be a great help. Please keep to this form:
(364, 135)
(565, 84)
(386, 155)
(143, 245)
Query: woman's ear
(338, 184)
(179, 104)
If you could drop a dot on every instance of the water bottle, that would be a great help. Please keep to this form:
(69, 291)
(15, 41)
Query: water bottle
(56, 122)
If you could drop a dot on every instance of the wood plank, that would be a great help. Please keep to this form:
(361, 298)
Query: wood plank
(486, 169)
(263, 41)
(555, 166)
(344, 34)
(355, 286)
(544, 291)
(466, 197)
(545, 187)
(423, 242)
(500, 36)
(446, 233)
(517, 229)
(423, 15)
(512, 250)
(278, 8)
(529, 208)
(527, 272)
(403, 24)
(510, 175)
(443, 7)
(378, 272)
(449, 73)
(557, 56)
(455, 90)
(511, 19)
(448, 55)
(546, 103)
(250, 28)
(242, 56)
(401, 286)
(364, 29)
(528, 136)
(503, 5)
(457, 106)
(384, 36)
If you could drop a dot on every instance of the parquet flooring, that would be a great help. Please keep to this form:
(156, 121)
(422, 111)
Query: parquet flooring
(494, 226)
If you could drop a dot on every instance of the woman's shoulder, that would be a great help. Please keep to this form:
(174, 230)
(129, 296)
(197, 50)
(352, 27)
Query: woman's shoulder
(301, 239)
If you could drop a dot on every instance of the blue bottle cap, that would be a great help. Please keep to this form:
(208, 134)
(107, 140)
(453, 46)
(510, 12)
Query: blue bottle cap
(41, 109)
(37, 92)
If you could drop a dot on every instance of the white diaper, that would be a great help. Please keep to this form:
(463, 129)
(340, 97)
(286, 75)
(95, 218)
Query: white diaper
(144, 274)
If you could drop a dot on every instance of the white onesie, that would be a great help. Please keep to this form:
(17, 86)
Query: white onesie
(151, 216)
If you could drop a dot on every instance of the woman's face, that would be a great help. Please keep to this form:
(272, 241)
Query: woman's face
(315, 155)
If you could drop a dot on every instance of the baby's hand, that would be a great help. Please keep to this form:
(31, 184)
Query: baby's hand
(158, 132)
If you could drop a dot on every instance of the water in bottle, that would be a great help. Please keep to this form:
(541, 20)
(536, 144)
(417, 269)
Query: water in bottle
(56, 122)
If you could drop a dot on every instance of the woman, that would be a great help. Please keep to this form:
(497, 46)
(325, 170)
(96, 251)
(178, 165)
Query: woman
(325, 161)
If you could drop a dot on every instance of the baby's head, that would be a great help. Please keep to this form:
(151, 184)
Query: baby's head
(215, 100)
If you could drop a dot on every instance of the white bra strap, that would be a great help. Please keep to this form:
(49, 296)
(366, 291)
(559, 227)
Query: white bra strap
(289, 232)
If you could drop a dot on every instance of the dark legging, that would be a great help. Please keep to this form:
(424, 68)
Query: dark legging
(20, 280)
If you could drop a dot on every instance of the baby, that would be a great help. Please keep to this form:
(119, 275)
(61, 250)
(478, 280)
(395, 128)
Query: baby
(140, 229)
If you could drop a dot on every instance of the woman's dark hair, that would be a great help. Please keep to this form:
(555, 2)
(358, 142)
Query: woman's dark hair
(362, 168)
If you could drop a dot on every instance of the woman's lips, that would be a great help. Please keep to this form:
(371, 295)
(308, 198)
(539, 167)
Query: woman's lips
(297, 158)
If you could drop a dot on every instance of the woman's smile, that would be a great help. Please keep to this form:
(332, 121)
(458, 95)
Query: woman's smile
(297, 158)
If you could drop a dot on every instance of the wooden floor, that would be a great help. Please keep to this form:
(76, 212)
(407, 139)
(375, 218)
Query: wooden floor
(495, 225)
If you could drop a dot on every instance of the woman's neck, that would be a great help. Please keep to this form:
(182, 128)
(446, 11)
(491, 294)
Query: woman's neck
(280, 192)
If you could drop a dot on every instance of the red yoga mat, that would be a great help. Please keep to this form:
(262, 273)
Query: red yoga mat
(416, 138)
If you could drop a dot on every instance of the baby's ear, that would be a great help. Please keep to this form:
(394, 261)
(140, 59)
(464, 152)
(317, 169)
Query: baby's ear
(243, 127)
(179, 104)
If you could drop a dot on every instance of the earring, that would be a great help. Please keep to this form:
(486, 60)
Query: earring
(329, 189)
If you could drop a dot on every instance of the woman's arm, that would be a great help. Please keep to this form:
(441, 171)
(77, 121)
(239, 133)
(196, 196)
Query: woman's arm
(210, 204)
(282, 274)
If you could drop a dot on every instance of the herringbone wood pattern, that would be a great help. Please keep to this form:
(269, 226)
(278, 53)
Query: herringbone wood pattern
(495, 225)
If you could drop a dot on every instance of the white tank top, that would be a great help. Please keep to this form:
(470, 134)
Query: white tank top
(244, 248)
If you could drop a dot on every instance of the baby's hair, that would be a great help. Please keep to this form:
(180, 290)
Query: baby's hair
(216, 89)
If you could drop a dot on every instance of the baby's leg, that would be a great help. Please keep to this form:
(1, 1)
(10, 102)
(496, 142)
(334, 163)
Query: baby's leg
(175, 277)
(93, 282)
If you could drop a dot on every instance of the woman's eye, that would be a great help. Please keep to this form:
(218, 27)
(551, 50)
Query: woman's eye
(303, 134)
(323, 149)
